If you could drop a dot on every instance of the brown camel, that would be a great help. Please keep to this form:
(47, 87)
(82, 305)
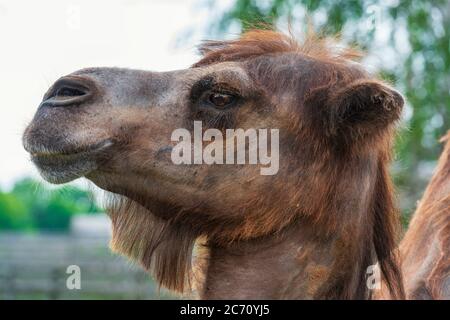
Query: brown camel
(425, 249)
(312, 230)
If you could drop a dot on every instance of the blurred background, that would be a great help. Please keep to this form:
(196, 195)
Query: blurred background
(44, 229)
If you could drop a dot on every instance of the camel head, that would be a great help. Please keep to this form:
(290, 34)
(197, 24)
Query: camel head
(116, 127)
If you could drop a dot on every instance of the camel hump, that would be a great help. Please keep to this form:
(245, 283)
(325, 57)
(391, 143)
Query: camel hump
(425, 248)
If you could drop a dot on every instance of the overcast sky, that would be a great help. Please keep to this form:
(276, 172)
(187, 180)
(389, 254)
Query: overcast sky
(46, 39)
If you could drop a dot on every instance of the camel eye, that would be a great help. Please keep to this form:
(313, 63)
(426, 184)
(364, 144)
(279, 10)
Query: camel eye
(221, 99)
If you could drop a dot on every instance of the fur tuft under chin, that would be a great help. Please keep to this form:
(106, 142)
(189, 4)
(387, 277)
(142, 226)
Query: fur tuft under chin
(162, 248)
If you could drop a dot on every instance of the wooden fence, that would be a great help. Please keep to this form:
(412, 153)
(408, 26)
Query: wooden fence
(34, 267)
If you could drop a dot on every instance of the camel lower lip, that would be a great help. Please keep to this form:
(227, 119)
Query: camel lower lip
(72, 153)
(58, 167)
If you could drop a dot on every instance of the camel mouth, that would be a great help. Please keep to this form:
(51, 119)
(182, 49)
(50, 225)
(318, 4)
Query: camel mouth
(62, 166)
(39, 151)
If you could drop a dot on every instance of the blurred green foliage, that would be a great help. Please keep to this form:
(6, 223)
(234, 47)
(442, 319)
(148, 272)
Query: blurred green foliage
(418, 34)
(30, 205)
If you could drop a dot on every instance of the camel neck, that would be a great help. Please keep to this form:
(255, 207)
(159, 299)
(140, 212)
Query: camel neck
(296, 265)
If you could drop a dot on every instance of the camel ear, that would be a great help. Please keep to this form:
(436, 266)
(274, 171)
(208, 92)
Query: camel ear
(362, 108)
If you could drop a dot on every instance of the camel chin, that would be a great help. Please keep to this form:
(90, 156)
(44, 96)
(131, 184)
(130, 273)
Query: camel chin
(62, 167)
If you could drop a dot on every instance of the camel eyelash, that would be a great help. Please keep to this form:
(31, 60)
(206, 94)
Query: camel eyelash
(217, 120)
(209, 84)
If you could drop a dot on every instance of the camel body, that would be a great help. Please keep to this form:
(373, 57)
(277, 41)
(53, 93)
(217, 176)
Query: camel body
(425, 249)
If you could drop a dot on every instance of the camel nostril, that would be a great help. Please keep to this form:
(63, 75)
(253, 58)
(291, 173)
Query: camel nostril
(67, 92)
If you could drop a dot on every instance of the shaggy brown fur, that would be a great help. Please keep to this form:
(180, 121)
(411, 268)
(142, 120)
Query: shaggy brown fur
(425, 249)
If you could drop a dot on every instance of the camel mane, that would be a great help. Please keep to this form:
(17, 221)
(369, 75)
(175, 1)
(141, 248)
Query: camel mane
(255, 43)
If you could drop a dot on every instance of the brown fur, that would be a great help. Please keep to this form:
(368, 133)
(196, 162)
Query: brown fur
(425, 247)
